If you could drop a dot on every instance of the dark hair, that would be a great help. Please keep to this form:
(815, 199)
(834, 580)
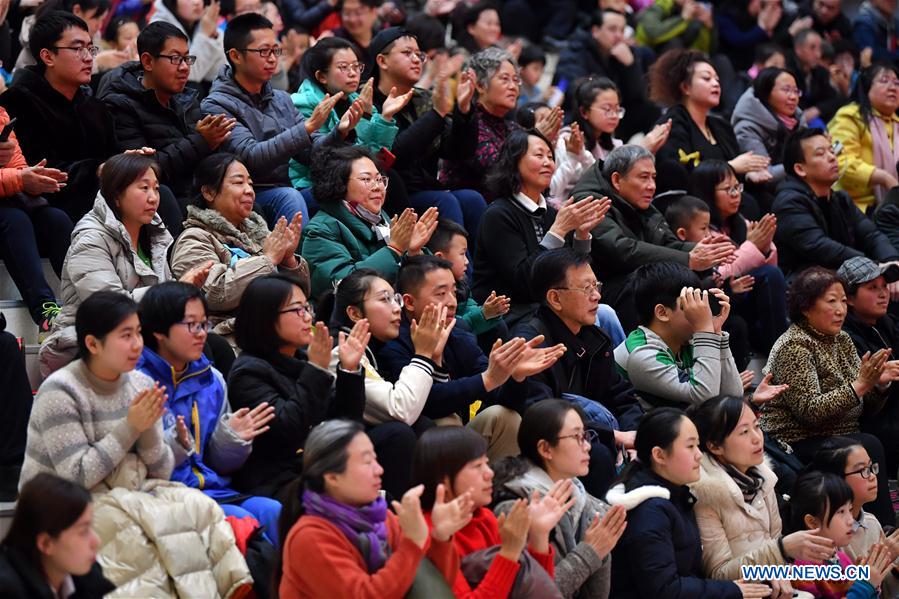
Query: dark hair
(585, 92)
(818, 494)
(550, 269)
(351, 292)
(526, 114)
(111, 33)
(441, 452)
(703, 181)
(680, 212)
(99, 315)
(443, 235)
(47, 504)
(807, 287)
(793, 152)
(240, 30)
(324, 452)
(659, 427)
(100, 7)
(543, 421)
(531, 53)
(800, 36)
(210, 176)
(330, 171)
(503, 178)
(163, 305)
(833, 455)
(429, 31)
(368, 3)
(764, 82)
(318, 57)
(660, 283)
(154, 36)
(414, 270)
(119, 172)
(765, 51)
(863, 86)
(716, 419)
(259, 310)
(673, 69)
(48, 30)
(597, 17)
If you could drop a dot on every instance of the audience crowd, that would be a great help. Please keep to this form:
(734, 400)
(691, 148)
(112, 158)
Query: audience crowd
(431, 298)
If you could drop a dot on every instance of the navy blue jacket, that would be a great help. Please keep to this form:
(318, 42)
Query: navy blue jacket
(458, 382)
(660, 554)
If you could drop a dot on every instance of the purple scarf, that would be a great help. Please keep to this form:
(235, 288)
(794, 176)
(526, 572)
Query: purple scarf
(362, 525)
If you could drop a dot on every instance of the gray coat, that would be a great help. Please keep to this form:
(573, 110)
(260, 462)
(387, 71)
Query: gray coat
(759, 131)
(101, 258)
(269, 131)
(579, 570)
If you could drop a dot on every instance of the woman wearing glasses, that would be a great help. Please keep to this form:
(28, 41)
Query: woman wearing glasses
(222, 230)
(333, 66)
(758, 285)
(351, 230)
(591, 136)
(284, 364)
(736, 502)
(868, 128)
(555, 451)
(766, 114)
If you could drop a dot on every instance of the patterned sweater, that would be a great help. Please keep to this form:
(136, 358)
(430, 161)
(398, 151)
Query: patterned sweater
(820, 401)
(79, 429)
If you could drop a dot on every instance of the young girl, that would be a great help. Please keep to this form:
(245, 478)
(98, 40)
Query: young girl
(660, 554)
(591, 136)
(823, 501)
(342, 539)
(120, 36)
(455, 458)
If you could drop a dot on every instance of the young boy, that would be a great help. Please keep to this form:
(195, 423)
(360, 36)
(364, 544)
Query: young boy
(679, 354)
(532, 62)
(689, 218)
(450, 242)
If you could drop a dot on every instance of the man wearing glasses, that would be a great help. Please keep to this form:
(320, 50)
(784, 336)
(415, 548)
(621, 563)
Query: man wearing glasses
(269, 130)
(153, 107)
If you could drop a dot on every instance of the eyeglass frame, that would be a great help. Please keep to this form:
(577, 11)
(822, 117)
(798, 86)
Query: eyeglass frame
(344, 67)
(586, 289)
(91, 50)
(422, 56)
(300, 310)
(790, 91)
(619, 112)
(396, 298)
(189, 59)
(733, 191)
(265, 53)
(873, 469)
(192, 326)
(380, 179)
(887, 81)
(589, 435)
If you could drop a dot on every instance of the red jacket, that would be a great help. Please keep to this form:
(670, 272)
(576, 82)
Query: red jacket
(319, 561)
(483, 532)
(11, 173)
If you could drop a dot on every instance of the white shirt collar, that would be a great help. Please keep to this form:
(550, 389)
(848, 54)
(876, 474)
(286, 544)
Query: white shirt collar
(528, 204)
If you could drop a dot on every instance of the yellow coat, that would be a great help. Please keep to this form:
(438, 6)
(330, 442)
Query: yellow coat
(857, 158)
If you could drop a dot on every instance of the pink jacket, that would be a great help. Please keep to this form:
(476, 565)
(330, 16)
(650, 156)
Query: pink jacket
(748, 257)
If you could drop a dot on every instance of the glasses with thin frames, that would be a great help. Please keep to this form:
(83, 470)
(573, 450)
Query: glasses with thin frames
(300, 310)
(790, 91)
(350, 67)
(733, 191)
(178, 59)
(588, 435)
(887, 81)
(196, 327)
(610, 111)
(505, 80)
(83, 51)
(586, 289)
(388, 298)
(266, 52)
(409, 54)
(373, 183)
(868, 471)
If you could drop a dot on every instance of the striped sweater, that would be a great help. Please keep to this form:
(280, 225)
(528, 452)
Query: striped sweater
(79, 430)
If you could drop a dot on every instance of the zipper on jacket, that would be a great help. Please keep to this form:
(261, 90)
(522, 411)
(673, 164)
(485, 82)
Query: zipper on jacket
(195, 418)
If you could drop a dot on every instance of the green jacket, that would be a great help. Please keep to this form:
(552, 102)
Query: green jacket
(472, 314)
(336, 242)
(374, 133)
(661, 23)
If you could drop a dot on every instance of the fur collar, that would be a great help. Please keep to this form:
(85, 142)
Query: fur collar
(250, 235)
(631, 499)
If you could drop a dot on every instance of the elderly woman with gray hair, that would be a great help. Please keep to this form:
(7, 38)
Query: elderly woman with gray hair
(497, 85)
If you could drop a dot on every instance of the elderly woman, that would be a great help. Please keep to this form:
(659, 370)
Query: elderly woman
(222, 229)
(868, 130)
(830, 387)
(766, 114)
(736, 503)
(351, 229)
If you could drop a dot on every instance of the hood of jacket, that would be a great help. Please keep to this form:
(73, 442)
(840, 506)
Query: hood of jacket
(750, 108)
(644, 485)
(250, 235)
(225, 84)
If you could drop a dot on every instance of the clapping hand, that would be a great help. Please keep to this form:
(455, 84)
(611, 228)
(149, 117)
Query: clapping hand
(249, 424)
(447, 518)
(351, 348)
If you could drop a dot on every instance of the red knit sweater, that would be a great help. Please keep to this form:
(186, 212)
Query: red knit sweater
(319, 561)
(483, 532)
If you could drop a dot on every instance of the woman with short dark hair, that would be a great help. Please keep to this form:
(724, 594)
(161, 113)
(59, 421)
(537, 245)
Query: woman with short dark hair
(829, 385)
(50, 548)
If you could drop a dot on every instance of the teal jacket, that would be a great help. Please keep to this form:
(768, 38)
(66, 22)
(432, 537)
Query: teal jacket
(374, 133)
(336, 242)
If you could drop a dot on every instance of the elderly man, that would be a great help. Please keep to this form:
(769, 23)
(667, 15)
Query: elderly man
(634, 232)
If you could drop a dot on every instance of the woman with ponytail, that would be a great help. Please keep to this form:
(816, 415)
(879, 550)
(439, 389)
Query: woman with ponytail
(340, 540)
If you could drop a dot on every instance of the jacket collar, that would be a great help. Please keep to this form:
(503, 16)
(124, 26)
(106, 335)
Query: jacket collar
(250, 234)
(715, 478)
(646, 484)
(225, 83)
(35, 82)
(589, 339)
(130, 83)
(359, 227)
(155, 366)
